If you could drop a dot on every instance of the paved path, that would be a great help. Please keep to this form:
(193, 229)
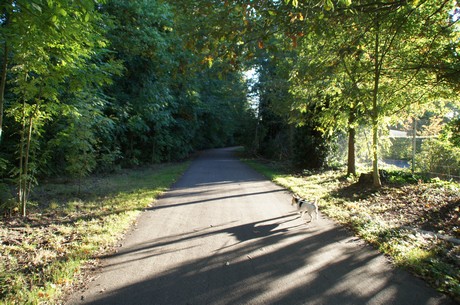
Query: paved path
(225, 235)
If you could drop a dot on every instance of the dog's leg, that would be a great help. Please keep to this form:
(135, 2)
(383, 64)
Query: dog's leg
(316, 208)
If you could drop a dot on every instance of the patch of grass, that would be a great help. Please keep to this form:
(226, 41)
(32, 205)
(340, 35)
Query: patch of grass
(315, 186)
(381, 217)
(72, 224)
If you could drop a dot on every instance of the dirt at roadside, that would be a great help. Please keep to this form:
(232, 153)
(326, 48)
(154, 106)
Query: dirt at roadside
(425, 206)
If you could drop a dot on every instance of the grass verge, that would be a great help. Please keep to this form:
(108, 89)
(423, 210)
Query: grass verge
(70, 225)
(382, 218)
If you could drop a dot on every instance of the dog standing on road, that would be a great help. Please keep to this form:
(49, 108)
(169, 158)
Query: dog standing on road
(304, 206)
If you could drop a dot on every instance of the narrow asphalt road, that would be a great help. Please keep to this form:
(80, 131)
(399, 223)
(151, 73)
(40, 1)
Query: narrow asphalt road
(225, 235)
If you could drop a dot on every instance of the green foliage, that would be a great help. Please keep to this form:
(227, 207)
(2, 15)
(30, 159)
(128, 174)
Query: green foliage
(310, 149)
(62, 57)
(76, 144)
(357, 67)
(7, 202)
(3, 166)
(125, 83)
(163, 112)
(222, 106)
(52, 49)
(400, 149)
(439, 157)
(402, 177)
(453, 130)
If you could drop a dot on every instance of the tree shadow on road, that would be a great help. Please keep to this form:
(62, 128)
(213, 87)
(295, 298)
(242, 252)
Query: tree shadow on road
(220, 198)
(309, 266)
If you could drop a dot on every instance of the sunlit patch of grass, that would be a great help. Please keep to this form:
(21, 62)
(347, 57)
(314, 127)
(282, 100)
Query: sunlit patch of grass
(309, 186)
(42, 256)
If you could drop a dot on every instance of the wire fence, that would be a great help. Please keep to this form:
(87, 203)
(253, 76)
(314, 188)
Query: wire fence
(432, 158)
(449, 173)
(444, 172)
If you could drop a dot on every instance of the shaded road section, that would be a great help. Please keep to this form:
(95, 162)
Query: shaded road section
(225, 235)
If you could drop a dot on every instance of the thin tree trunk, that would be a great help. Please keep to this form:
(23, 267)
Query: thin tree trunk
(351, 164)
(414, 143)
(27, 179)
(21, 190)
(375, 112)
(375, 163)
(255, 148)
(291, 140)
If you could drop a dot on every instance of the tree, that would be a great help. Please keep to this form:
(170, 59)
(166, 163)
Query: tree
(378, 59)
(395, 61)
(49, 47)
(169, 86)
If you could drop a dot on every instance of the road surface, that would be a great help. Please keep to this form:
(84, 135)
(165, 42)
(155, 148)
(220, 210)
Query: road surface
(225, 235)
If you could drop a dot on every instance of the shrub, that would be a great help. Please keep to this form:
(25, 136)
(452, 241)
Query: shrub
(439, 156)
(7, 202)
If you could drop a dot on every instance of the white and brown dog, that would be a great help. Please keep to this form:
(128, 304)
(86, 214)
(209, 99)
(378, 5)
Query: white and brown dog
(304, 206)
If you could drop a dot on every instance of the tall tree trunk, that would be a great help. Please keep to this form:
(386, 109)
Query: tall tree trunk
(414, 143)
(351, 164)
(375, 111)
(27, 180)
(255, 146)
(291, 140)
(21, 189)
(375, 162)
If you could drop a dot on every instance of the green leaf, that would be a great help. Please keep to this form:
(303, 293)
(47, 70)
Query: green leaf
(37, 7)
(328, 5)
(294, 2)
(62, 12)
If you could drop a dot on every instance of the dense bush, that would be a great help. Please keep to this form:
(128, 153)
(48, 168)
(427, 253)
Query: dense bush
(439, 157)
